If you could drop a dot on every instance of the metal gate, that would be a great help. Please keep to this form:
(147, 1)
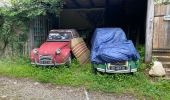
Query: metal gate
(39, 28)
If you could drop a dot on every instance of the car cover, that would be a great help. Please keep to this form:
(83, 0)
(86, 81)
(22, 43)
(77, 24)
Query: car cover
(111, 45)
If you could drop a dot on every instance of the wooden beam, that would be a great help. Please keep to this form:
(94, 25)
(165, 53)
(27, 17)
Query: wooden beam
(149, 31)
(85, 9)
(107, 3)
(92, 3)
(76, 3)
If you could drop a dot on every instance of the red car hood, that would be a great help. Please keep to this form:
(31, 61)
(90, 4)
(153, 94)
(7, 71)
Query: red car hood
(50, 47)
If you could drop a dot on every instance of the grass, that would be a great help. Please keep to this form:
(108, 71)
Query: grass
(139, 84)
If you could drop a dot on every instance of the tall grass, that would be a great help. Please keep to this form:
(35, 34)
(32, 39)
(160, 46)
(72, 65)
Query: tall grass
(139, 84)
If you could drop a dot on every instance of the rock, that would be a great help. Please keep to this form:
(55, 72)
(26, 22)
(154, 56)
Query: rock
(157, 69)
(15, 83)
(36, 83)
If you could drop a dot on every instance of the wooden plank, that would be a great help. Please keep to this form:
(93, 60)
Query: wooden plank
(155, 34)
(167, 57)
(159, 36)
(149, 31)
(85, 9)
(168, 35)
(92, 3)
(76, 3)
(160, 10)
(167, 30)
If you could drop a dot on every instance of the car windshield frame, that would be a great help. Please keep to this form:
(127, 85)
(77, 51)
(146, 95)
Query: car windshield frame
(60, 36)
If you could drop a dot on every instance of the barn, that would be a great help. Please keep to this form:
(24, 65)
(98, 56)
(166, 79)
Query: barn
(134, 17)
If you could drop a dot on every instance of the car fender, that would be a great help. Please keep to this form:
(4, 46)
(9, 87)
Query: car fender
(32, 55)
(66, 53)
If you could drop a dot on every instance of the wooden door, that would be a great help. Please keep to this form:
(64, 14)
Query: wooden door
(149, 31)
(161, 36)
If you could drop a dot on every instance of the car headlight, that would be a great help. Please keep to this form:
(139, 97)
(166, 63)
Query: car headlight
(35, 51)
(58, 51)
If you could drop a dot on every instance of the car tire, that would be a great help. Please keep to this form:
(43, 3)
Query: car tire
(94, 70)
(68, 63)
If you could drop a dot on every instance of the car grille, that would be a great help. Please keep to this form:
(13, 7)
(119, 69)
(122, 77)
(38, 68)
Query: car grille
(119, 63)
(45, 60)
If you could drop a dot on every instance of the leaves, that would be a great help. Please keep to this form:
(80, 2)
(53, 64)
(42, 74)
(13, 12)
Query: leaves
(14, 19)
(32, 8)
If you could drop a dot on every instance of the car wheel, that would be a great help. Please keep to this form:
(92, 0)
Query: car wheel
(131, 73)
(94, 70)
(68, 63)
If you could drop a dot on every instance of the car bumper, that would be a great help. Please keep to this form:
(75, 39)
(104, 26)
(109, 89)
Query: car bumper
(119, 71)
(48, 64)
(52, 64)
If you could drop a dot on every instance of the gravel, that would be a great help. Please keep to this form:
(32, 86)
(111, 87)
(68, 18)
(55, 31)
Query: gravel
(25, 89)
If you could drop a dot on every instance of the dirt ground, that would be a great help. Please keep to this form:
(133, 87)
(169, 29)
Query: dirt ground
(25, 89)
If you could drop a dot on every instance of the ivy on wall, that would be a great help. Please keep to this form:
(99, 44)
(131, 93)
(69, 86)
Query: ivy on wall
(15, 17)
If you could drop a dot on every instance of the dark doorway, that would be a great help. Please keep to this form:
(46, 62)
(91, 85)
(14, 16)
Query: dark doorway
(86, 15)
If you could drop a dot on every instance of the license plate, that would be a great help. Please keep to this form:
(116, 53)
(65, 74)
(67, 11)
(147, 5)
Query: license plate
(45, 62)
(118, 67)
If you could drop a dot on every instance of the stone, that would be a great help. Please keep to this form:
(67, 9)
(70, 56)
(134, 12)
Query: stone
(15, 83)
(36, 83)
(157, 70)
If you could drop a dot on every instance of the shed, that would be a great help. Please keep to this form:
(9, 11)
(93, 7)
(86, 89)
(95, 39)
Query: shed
(161, 35)
(135, 17)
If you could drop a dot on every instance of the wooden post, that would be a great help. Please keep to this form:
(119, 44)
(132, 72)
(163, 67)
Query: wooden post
(149, 31)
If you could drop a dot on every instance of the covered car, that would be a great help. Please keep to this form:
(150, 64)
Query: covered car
(110, 45)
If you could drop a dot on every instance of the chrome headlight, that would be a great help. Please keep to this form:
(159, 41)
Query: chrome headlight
(58, 51)
(35, 51)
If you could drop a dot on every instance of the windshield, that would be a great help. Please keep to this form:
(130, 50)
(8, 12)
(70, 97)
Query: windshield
(58, 37)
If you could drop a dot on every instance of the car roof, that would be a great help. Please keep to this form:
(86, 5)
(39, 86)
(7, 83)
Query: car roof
(63, 30)
(73, 31)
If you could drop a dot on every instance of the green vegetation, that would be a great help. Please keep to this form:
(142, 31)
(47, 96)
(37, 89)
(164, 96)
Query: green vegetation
(15, 19)
(14, 22)
(139, 84)
(162, 1)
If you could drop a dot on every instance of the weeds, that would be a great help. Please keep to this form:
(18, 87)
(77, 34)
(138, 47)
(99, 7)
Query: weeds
(138, 84)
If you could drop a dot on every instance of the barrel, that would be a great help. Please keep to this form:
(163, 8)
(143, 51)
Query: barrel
(80, 50)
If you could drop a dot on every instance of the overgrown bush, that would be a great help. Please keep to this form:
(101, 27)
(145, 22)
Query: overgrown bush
(141, 50)
(14, 20)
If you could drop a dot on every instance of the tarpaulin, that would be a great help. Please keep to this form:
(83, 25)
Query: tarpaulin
(111, 45)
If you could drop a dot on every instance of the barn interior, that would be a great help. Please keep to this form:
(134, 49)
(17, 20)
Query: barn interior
(87, 15)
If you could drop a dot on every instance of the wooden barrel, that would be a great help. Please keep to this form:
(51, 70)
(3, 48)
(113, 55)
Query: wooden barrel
(80, 50)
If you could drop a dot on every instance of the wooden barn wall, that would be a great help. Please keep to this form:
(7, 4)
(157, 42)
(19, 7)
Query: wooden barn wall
(161, 36)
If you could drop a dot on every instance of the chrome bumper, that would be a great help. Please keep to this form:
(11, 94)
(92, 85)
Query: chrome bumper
(55, 64)
(119, 71)
(50, 64)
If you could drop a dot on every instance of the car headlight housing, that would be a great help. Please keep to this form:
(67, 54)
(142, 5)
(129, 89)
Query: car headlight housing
(35, 51)
(58, 51)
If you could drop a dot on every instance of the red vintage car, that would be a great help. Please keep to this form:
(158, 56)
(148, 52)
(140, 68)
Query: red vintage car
(56, 50)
